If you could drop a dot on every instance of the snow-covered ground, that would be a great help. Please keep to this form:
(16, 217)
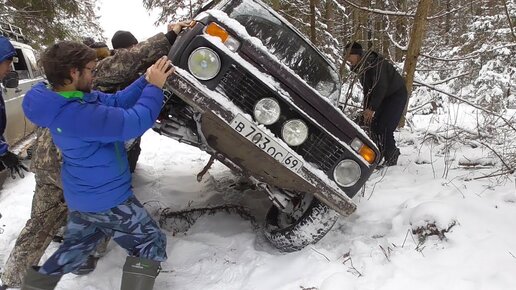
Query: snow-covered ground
(372, 249)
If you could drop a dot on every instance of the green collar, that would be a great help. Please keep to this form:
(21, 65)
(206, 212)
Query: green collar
(72, 94)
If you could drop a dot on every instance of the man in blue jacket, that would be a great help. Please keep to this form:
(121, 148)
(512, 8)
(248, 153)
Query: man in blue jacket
(7, 158)
(90, 127)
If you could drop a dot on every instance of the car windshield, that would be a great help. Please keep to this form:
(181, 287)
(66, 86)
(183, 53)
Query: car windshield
(287, 45)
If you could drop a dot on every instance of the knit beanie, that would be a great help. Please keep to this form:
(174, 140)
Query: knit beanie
(356, 48)
(123, 39)
(7, 50)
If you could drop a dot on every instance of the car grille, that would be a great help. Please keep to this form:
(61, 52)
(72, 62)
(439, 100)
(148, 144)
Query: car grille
(322, 150)
(244, 91)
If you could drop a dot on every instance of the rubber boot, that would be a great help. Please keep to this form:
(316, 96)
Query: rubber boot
(139, 273)
(34, 280)
(88, 266)
(391, 159)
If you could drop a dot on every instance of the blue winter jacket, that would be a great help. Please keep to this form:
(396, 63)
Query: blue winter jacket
(6, 51)
(90, 132)
(3, 123)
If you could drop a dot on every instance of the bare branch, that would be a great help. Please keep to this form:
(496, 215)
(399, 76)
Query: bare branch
(451, 11)
(509, 168)
(472, 55)
(513, 33)
(450, 78)
(507, 122)
(381, 12)
(397, 44)
(386, 254)
(327, 259)
(489, 176)
(419, 107)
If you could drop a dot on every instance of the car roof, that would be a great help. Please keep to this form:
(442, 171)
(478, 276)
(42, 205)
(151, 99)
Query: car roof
(18, 44)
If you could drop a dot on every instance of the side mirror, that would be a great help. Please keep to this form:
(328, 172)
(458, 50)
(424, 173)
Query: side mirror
(11, 80)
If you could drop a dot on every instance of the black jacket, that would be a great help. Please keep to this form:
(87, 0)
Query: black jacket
(380, 81)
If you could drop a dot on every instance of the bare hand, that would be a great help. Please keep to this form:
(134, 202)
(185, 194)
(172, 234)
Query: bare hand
(177, 27)
(158, 73)
(368, 116)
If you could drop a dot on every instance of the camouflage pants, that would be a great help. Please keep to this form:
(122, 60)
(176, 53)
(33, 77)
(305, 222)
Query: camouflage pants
(48, 214)
(129, 224)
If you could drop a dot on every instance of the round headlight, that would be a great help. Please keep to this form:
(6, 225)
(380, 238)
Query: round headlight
(294, 132)
(204, 63)
(267, 111)
(347, 173)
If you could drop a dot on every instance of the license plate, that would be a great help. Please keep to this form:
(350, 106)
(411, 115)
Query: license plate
(264, 142)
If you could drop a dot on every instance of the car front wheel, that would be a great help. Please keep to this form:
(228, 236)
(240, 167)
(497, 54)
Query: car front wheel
(306, 224)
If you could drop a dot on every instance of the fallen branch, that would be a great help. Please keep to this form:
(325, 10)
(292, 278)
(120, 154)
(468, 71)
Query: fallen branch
(473, 55)
(505, 120)
(354, 270)
(385, 252)
(381, 12)
(327, 259)
(181, 221)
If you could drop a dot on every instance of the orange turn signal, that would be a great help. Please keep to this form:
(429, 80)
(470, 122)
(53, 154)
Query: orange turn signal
(367, 153)
(214, 29)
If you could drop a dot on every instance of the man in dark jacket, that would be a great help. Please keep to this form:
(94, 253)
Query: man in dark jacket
(89, 127)
(8, 159)
(385, 96)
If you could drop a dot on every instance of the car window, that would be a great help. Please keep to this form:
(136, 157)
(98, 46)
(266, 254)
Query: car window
(31, 58)
(20, 65)
(288, 46)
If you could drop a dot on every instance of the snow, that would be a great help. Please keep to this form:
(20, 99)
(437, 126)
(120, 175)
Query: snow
(374, 248)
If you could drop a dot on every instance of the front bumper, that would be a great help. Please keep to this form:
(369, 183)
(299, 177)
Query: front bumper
(217, 113)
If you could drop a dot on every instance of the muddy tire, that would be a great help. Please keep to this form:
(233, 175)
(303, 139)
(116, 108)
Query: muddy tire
(308, 229)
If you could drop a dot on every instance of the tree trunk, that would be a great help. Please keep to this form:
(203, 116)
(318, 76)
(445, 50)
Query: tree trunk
(401, 25)
(328, 15)
(447, 25)
(383, 31)
(313, 34)
(275, 4)
(511, 26)
(416, 40)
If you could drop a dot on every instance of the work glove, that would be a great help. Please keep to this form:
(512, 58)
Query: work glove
(13, 163)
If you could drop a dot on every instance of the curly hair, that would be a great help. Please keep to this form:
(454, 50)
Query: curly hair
(59, 59)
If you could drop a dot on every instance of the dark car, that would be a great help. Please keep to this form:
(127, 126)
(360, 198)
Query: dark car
(254, 93)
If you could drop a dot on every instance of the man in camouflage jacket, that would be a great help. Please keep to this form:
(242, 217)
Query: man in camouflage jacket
(49, 210)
